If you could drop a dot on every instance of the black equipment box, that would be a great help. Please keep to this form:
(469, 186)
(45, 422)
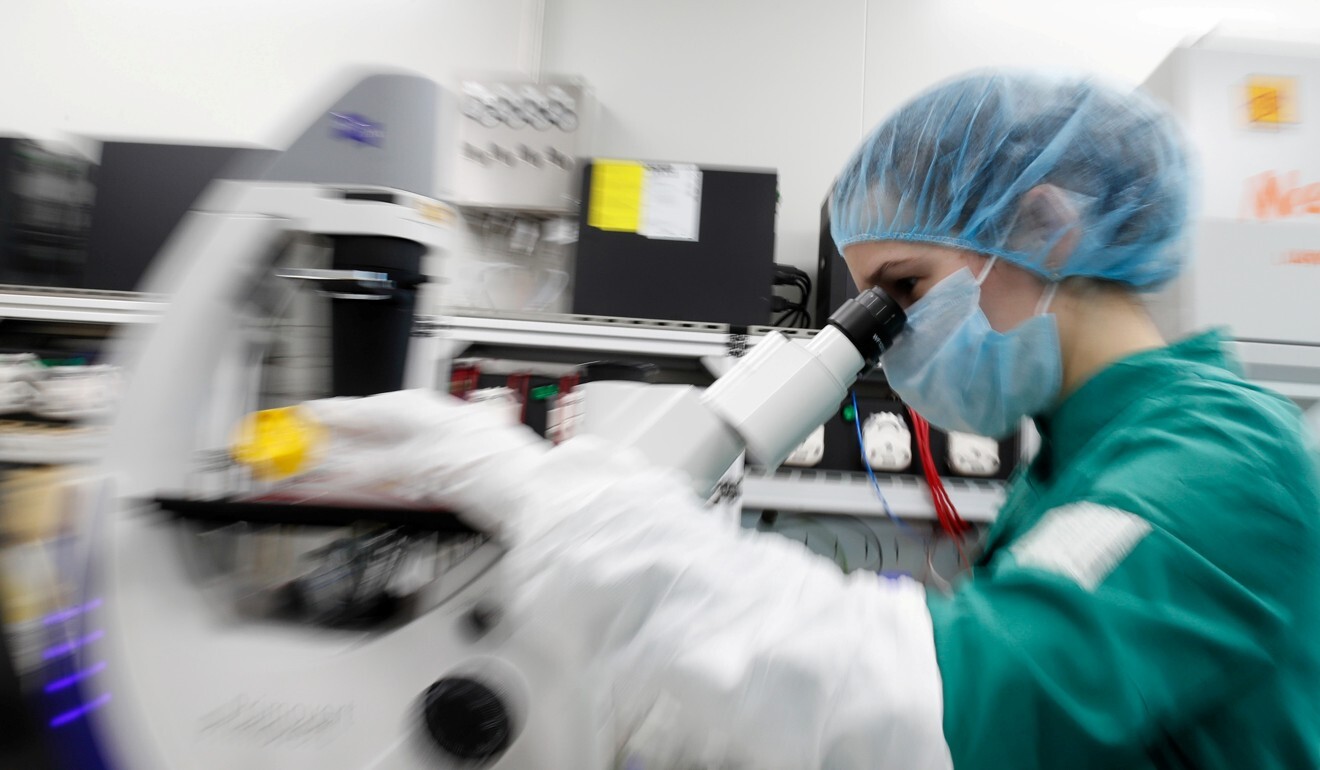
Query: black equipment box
(725, 276)
(834, 285)
(143, 191)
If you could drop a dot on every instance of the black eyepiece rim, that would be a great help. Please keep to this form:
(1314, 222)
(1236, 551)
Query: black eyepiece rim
(871, 321)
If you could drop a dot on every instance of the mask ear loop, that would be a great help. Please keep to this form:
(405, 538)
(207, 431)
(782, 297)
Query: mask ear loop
(1047, 298)
(980, 279)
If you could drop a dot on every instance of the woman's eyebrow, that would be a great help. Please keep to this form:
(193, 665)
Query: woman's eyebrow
(880, 272)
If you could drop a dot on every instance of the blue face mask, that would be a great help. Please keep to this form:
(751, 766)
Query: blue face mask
(962, 375)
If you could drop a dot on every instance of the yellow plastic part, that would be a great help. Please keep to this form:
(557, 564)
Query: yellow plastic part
(276, 443)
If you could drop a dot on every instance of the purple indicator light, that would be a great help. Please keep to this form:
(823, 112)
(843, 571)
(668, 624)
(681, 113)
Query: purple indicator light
(72, 714)
(78, 676)
(357, 128)
(60, 650)
(71, 612)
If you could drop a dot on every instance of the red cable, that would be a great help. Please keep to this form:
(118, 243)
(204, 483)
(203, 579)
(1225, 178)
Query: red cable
(521, 384)
(463, 380)
(950, 521)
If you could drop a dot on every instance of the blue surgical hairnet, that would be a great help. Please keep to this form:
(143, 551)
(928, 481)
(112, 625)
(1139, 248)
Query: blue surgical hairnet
(1018, 165)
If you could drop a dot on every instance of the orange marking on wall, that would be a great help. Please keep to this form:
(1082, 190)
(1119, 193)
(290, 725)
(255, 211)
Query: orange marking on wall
(1303, 257)
(1276, 196)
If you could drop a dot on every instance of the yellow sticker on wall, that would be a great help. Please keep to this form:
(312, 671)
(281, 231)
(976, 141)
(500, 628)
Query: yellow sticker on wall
(1271, 100)
(616, 195)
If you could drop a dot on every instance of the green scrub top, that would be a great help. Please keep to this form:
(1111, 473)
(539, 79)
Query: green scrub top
(1149, 596)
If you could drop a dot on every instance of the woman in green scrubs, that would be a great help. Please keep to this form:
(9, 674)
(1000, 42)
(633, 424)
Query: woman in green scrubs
(1149, 596)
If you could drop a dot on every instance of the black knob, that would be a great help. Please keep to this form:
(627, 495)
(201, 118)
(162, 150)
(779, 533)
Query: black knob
(870, 321)
(467, 719)
(481, 619)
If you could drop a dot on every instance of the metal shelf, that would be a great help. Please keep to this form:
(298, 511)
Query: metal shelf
(596, 334)
(537, 212)
(38, 444)
(829, 492)
(79, 306)
(648, 338)
(1290, 369)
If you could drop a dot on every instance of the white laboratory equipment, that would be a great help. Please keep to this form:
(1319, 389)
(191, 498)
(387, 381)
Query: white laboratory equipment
(220, 628)
(518, 143)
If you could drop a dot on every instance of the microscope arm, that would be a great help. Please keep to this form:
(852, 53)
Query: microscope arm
(767, 404)
(209, 267)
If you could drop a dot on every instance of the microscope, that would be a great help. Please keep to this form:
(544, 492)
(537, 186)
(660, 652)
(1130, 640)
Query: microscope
(180, 655)
(763, 407)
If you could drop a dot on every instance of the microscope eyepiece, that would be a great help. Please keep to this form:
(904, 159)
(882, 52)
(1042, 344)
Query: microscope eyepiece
(870, 321)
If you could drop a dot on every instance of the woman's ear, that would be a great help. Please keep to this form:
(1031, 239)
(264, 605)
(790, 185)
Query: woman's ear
(1048, 219)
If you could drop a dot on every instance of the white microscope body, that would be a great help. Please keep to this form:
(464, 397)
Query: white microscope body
(176, 677)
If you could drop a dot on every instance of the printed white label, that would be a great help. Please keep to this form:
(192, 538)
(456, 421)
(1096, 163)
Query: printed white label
(1083, 542)
(671, 202)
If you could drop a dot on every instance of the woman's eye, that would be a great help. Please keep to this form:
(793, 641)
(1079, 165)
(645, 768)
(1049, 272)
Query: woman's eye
(905, 286)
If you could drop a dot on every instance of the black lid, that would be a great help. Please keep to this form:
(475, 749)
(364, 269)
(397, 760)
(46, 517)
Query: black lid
(466, 718)
(628, 371)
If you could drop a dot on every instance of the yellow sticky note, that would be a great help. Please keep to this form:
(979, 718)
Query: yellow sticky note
(1271, 100)
(616, 195)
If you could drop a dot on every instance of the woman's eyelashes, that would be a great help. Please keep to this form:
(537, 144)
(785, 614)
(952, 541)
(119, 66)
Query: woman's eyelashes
(904, 287)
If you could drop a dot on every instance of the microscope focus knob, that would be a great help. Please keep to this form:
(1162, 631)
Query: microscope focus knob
(467, 719)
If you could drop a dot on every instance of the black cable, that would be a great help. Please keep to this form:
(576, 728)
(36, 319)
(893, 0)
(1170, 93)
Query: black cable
(869, 536)
(789, 271)
(794, 314)
(871, 533)
(799, 280)
(801, 288)
(788, 275)
(796, 318)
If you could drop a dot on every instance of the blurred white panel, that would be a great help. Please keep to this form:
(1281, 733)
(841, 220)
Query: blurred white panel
(239, 70)
(913, 45)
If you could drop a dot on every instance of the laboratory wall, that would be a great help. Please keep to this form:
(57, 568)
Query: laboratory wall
(231, 71)
(786, 84)
(761, 83)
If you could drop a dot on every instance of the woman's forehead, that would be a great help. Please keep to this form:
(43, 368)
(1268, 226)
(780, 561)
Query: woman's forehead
(886, 255)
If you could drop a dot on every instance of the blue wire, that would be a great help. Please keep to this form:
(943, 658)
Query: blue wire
(875, 483)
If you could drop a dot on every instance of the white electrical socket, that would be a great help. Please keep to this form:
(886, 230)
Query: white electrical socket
(18, 377)
(809, 453)
(888, 442)
(971, 455)
(77, 392)
(500, 398)
(562, 419)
